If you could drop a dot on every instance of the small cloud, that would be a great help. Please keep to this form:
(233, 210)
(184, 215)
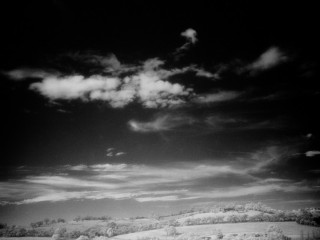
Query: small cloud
(110, 149)
(80, 167)
(24, 73)
(165, 122)
(109, 154)
(216, 97)
(309, 135)
(191, 35)
(312, 153)
(200, 72)
(270, 58)
(120, 153)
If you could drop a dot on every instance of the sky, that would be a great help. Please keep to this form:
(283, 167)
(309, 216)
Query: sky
(137, 107)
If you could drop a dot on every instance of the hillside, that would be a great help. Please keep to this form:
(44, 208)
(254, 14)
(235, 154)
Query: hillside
(249, 218)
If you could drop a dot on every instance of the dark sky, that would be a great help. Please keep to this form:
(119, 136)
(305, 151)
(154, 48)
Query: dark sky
(157, 104)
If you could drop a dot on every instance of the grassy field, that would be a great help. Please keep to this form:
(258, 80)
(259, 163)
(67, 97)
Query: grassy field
(290, 229)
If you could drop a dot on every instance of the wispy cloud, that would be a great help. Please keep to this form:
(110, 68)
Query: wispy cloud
(108, 63)
(167, 182)
(161, 123)
(23, 73)
(312, 153)
(270, 58)
(216, 97)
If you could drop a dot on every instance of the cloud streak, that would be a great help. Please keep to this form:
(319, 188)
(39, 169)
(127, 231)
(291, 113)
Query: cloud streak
(167, 182)
(161, 123)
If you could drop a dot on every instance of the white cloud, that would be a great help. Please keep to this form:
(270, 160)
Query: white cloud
(191, 35)
(73, 87)
(309, 135)
(270, 58)
(23, 73)
(216, 97)
(120, 154)
(203, 73)
(80, 167)
(171, 182)
(156, 199)
(148, 85)
(312, 153)
(161, 123)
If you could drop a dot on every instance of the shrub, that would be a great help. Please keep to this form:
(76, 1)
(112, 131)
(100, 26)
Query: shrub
(110, 232)
(190, 236)
(56, 237)
(61, 220)
(75, 234)
(171, 231)
(82, 237)
(219, 234)
(275, 233)
(61, 231)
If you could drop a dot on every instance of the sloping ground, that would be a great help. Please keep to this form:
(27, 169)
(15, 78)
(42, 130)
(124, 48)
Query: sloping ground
(290, 229)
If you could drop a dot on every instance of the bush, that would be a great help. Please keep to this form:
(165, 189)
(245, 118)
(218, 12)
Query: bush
(171, 231)
(61, 220)
(219, 234)
(82, 237)
(110, 232)
(56, 237)
(275, 233)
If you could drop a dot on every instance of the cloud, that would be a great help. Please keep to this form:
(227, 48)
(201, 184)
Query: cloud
(109, 62)
(74, 87)
(270, 58)
(120, 154)
(191, 35)
(200, 72)
(148, 85)
(23, 73)
(312, 153)
(111, 152)
(216, 97)
(144, 183)
(309, 135)
(161, 123)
